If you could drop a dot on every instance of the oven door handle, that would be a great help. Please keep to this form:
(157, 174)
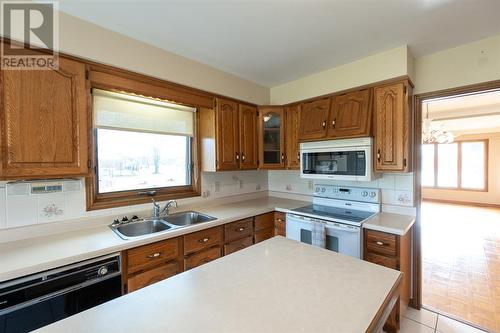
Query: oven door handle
(346, 228)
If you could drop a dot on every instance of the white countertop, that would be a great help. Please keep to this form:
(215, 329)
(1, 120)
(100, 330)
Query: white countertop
(389, 222)
(24, 257)
(279, 285)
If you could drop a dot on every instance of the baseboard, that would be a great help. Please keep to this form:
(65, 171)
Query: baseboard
(464, 203)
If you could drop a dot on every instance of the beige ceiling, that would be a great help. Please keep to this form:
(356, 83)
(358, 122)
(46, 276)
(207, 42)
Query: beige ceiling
(275, 41)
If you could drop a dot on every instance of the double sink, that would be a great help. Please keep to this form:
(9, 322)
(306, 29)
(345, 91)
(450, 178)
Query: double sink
(143, 227)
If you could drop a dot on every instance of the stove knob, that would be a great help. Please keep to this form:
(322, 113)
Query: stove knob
(372, 194)
(323, 190)
(317, 189)
(364, 193)
(103, 270)
(124, 219)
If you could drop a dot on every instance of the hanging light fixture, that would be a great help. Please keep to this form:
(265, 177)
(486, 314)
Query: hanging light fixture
(431, 134)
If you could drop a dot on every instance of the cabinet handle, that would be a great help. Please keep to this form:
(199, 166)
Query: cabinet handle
(378, 155)
(204, 240)
(204, 261)
(324, 124)
(280, 220)
(240, 229)
(237, 156)
(282, 156)
(379, 243)
(334, 121)
(154, 255)
(242, 156)
(298, 156)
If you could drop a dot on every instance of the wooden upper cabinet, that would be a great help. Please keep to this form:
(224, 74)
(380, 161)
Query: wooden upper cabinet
(44, 122)
(392, 127)
(271, 138)
(249, 152)
(292, 137)
(227, 136)
(314, 119)
(350, 115)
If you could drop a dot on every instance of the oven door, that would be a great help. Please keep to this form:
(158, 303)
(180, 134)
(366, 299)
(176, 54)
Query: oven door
(341, 238)
(341, 163)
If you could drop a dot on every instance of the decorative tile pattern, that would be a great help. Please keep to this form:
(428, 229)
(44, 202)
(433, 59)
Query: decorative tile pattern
(461, 262)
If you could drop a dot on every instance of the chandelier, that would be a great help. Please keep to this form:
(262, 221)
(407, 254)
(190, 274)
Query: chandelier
(433, 134)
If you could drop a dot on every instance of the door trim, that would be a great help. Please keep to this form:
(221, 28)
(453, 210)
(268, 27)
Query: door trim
(472, 89)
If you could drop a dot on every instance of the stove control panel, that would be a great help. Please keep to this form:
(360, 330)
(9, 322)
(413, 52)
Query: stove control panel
(362, 194)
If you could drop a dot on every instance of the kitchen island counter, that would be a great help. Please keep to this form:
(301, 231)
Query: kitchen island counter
(279, 285)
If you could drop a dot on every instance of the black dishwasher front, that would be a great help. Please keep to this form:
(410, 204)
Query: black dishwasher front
(37, 300)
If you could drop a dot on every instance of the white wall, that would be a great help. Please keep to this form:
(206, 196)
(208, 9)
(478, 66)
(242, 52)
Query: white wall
(86, 40)
(378, 67)
(460, 66)
(25, 210)
(397, 189)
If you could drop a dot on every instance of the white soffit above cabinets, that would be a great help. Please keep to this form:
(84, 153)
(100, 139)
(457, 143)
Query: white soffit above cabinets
(276, 41)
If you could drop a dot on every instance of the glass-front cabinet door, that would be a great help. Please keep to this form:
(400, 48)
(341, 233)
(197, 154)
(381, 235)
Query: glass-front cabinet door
(272, 138)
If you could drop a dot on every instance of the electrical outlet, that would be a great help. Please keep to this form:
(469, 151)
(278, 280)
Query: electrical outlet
(217, 186)
(258, 187)
(310, 185)
(289, 187)
(205, 194)
(240, 183)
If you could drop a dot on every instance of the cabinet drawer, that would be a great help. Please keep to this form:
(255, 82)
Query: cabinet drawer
(150, 255)
(382, 260)
(202, 239)
(238, 229)
(381, 242)
(262, 235)
(264, 221)
(237, 245)
(154, 275)
(200, 258)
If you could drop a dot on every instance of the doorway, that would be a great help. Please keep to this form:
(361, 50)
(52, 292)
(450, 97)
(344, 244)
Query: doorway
(457, 246)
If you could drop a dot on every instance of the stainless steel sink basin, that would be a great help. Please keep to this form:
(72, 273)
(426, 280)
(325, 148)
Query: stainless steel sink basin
(188, 218)
(140, 228)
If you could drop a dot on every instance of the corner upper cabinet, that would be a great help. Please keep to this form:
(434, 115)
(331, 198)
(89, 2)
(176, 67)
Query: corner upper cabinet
(314, 119)
(393, 116)
(350, 115)
(292, 137)
(248, 123)
(271, 138)
(44, 122)
(227, 136)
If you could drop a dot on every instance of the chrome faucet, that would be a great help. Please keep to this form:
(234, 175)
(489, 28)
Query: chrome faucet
(158, 211)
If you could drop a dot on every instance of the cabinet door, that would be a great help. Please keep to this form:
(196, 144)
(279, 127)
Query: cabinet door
(392, 128)
(272, 138)
(350, 115)
(313, 119)
(44, 121)
(228, 157)
(248, 137)
(292, 137)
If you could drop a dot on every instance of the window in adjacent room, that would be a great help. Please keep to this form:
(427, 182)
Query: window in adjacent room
(460, 165)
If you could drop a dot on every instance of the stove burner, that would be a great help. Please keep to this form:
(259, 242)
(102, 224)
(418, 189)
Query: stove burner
(350, 215)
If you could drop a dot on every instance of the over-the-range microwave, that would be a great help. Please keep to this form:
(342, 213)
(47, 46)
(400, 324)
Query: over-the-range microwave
(342, 159)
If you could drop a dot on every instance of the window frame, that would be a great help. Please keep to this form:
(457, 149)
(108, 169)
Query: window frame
(96, 200)
(459, 167)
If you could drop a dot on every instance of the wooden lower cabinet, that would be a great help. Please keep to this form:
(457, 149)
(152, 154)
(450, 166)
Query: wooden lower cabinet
(392, 251)
(237, 245)
(154, 275)
(151, 263)
(202, 257)
(264, 227)
(279, 224)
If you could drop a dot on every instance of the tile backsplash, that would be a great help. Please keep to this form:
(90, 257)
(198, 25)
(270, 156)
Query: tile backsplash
(397, 189)
(20, 207)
